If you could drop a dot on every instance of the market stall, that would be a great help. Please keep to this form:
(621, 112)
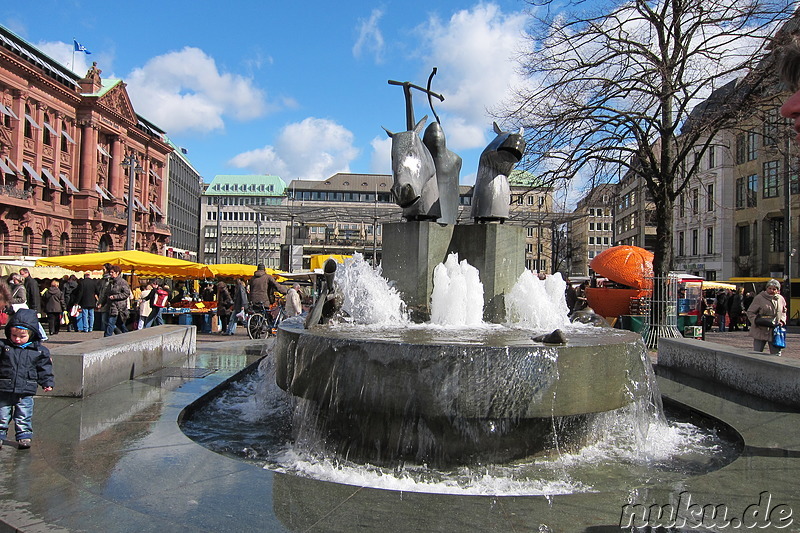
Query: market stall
(132, 261)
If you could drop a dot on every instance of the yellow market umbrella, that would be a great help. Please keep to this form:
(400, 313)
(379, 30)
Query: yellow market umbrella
(134, 261)
(231, 270)
(237, 270)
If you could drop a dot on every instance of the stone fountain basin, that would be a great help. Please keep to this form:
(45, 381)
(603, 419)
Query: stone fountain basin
(496, 373)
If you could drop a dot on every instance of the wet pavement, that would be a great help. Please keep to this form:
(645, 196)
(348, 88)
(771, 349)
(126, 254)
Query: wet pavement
(118, 462)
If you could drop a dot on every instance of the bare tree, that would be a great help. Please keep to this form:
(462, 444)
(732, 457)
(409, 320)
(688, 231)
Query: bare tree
(615, 93)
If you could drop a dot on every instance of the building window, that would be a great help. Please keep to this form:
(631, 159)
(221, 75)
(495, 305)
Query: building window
(529, 231)
(776, 235)
(770, 128)
(741, 141)
(752, 190)
(695, 201)
(771, 179)
(709, 240)
(591, 226)
(46, 241)
(681, 243)
(27, 241)
(712, 160)
(591, 240)
(794, 183)
(695, 242)
(752, 147)
(47, 139)
(743, 237)
(741, 193)
(682, 206)
(710, 197)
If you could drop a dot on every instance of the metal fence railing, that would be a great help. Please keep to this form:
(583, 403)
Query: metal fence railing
(662, 319)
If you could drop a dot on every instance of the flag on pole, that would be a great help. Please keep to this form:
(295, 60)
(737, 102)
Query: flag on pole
(80, 48)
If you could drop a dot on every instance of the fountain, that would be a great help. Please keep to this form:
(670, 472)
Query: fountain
(392, 395)
(460, 379)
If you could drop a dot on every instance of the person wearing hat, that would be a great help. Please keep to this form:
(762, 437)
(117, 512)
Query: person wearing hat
(25, 364)
(263, 287)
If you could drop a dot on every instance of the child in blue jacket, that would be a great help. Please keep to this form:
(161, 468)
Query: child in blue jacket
(24, 365)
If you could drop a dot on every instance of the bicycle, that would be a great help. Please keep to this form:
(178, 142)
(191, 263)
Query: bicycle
(263, 321)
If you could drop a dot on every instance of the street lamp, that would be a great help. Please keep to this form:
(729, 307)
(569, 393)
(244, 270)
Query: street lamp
(258, 238)
(133, 167)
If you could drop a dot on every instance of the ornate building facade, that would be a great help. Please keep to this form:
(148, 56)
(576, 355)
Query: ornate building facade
(71, 150)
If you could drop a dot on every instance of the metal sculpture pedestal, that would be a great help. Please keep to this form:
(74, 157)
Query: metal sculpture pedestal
(412, 250)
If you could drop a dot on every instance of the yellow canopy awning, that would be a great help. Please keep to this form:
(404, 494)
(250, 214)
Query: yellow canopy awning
(718, 285)
(133, 261)
(41, 272)
(317, 261)
(238, 270)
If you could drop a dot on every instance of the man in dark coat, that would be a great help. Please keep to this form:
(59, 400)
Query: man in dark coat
(32, 290)
(87, 301)
(721, 308)
(263, 288)
(117, 300)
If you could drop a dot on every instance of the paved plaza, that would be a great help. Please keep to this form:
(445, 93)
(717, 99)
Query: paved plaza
(117, 461)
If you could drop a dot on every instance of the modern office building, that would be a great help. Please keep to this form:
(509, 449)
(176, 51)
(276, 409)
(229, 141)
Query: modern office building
(231, 209)
(185, 187)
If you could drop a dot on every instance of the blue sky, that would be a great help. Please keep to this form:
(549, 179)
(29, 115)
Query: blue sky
(295, 89)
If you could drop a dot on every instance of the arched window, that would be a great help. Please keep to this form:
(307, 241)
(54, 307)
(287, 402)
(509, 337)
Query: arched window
(105, 244)
(46, 241)
(27, 241)
(28, 128)
(47, 139)
(4, 238)
(63, 248)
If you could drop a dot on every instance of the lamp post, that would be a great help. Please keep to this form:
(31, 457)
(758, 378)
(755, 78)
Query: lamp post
(133, 167)
(258, 238)
(219, 229)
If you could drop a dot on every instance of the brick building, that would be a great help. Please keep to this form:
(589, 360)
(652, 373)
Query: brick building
(63, 142)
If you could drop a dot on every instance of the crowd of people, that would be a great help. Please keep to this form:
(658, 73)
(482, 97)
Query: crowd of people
(111, 305)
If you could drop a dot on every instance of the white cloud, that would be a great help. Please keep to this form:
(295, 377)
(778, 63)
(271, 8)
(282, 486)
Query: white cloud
(370, 38)
(474, 52)
(313, 149)
(63, 53)
(184, 91)
(381, 160)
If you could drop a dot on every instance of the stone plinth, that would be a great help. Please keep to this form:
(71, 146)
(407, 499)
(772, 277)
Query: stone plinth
(92, 366)
(763, 375)
(411, 250)
(498, 252)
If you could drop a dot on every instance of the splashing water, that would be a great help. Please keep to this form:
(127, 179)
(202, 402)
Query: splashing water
(537, 304)
(457, 297)
(368, 297)
(253, 418)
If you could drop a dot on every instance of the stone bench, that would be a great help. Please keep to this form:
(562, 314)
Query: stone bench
(85, 368)
(765, 376)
